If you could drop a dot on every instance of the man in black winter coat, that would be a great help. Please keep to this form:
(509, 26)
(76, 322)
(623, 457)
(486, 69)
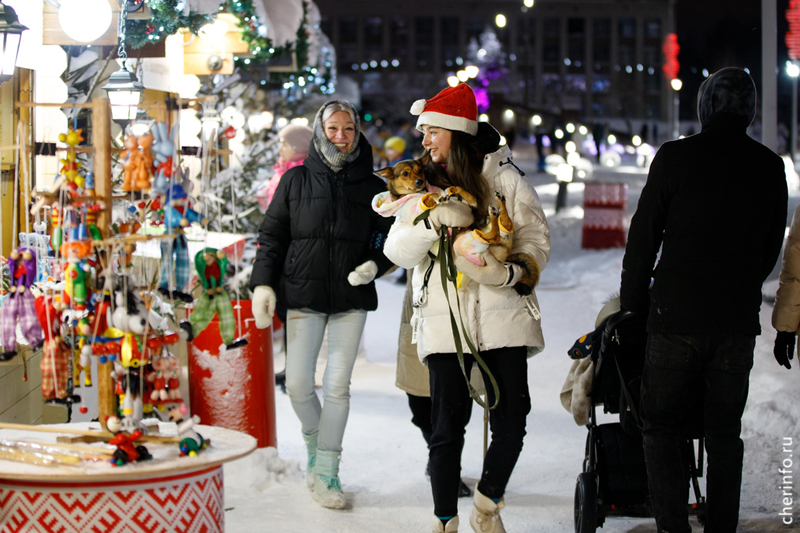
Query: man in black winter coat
(715, 205)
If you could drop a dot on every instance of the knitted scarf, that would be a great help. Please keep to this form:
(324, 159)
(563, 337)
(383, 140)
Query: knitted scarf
(335, 158)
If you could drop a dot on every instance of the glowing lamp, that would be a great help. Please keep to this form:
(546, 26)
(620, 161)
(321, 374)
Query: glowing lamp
(125, 93)
(10, 35)
(452, 81)
(84, 20)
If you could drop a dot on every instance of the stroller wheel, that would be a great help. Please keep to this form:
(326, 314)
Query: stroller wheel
(586, 503)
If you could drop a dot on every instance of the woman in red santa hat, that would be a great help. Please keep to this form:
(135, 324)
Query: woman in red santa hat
(502, 321)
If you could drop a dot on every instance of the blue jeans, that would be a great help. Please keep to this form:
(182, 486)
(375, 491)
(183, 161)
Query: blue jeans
(676, 366)
(305, 329)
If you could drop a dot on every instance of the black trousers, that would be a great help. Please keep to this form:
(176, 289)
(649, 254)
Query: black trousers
(421, 407)
(672, 367)
(450, 414)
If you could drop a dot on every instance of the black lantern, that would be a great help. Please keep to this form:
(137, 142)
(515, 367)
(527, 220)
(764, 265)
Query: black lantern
(10, 36)
(125, 93)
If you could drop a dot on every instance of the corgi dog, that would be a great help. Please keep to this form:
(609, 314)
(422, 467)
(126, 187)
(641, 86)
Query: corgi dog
(409, 193)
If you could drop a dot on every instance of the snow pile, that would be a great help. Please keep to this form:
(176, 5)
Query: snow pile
(261, 470)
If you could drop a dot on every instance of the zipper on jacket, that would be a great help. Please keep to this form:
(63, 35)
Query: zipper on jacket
(331, 227)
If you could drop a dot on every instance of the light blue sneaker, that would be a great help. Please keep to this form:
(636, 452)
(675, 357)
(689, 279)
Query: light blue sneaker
(327, 487)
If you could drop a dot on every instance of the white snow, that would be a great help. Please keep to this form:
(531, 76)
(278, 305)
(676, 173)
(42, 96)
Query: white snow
(384, 457)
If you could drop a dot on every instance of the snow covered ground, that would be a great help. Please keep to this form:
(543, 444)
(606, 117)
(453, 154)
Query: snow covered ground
(384, 456)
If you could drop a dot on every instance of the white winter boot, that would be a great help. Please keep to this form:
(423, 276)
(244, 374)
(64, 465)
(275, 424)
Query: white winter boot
(450, 527)
(485, 517)
(311, 446)
(327, 487)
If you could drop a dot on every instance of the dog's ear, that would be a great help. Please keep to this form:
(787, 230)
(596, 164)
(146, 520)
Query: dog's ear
(425, 159)
(385, 173)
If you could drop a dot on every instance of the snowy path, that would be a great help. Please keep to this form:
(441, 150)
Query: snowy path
(384, 454)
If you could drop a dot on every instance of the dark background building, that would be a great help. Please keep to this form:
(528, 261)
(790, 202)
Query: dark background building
(570, 59)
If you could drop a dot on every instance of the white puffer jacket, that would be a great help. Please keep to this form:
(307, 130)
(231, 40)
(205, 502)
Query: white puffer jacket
(494, 317)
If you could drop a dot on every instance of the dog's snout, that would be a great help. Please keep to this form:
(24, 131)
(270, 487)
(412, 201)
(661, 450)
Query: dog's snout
(419, 182)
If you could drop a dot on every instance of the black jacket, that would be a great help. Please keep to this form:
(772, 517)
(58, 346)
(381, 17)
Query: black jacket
(318, 228)
(715, 203)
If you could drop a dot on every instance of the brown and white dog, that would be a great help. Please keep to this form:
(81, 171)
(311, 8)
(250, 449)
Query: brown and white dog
(410, 193)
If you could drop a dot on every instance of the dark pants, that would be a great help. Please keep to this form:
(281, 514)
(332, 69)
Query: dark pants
(421, 407)
(675, 366)
(450, 413)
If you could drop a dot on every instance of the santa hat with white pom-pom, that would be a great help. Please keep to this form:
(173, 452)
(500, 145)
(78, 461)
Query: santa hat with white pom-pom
(453, 109)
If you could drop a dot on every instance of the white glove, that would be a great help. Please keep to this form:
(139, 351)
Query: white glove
(453, 214)
(493, 273)
(263, 306)
(363, 274)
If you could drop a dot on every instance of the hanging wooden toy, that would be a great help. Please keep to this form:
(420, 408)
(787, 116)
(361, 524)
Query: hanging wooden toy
(137, 163)
(20, 306)
(163, 150)
(70, 165)
(175, 266)
(210, 264)
(56, 355)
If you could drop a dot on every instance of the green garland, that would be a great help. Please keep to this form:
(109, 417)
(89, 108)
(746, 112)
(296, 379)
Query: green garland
(165, 20)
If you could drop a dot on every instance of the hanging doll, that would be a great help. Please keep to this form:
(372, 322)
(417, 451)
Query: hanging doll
(163, 149)
(20, 305)
(55, 357)
(175, 266)
(210, 265)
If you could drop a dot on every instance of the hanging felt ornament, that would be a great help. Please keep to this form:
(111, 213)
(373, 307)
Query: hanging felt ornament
(20, 306)
(210, 265)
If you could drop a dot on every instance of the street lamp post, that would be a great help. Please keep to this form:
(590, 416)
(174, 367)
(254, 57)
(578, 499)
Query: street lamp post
(793, 71)
(676, 104)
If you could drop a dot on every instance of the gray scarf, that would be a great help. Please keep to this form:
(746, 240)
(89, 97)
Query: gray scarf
(335, 158)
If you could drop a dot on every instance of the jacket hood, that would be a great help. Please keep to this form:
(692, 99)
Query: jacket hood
(731, 91)
(487, 140)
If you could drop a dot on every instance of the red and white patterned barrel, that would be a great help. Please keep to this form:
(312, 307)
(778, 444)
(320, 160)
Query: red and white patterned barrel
(604, 215)
(182, 503)
(166, 494)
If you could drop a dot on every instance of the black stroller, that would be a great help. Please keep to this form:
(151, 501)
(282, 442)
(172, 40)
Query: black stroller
(614, 478)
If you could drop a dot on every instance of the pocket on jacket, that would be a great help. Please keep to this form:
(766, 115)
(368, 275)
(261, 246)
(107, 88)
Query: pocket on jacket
(669, 351)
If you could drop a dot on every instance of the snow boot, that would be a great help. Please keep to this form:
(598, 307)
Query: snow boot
(311, 446)
(450, 527)
(327, 487)
(485, 517)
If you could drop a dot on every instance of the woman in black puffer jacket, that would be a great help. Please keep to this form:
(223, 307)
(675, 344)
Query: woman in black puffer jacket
(320, 247)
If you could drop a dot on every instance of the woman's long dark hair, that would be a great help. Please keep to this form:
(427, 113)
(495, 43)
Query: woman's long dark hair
(464, 165)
